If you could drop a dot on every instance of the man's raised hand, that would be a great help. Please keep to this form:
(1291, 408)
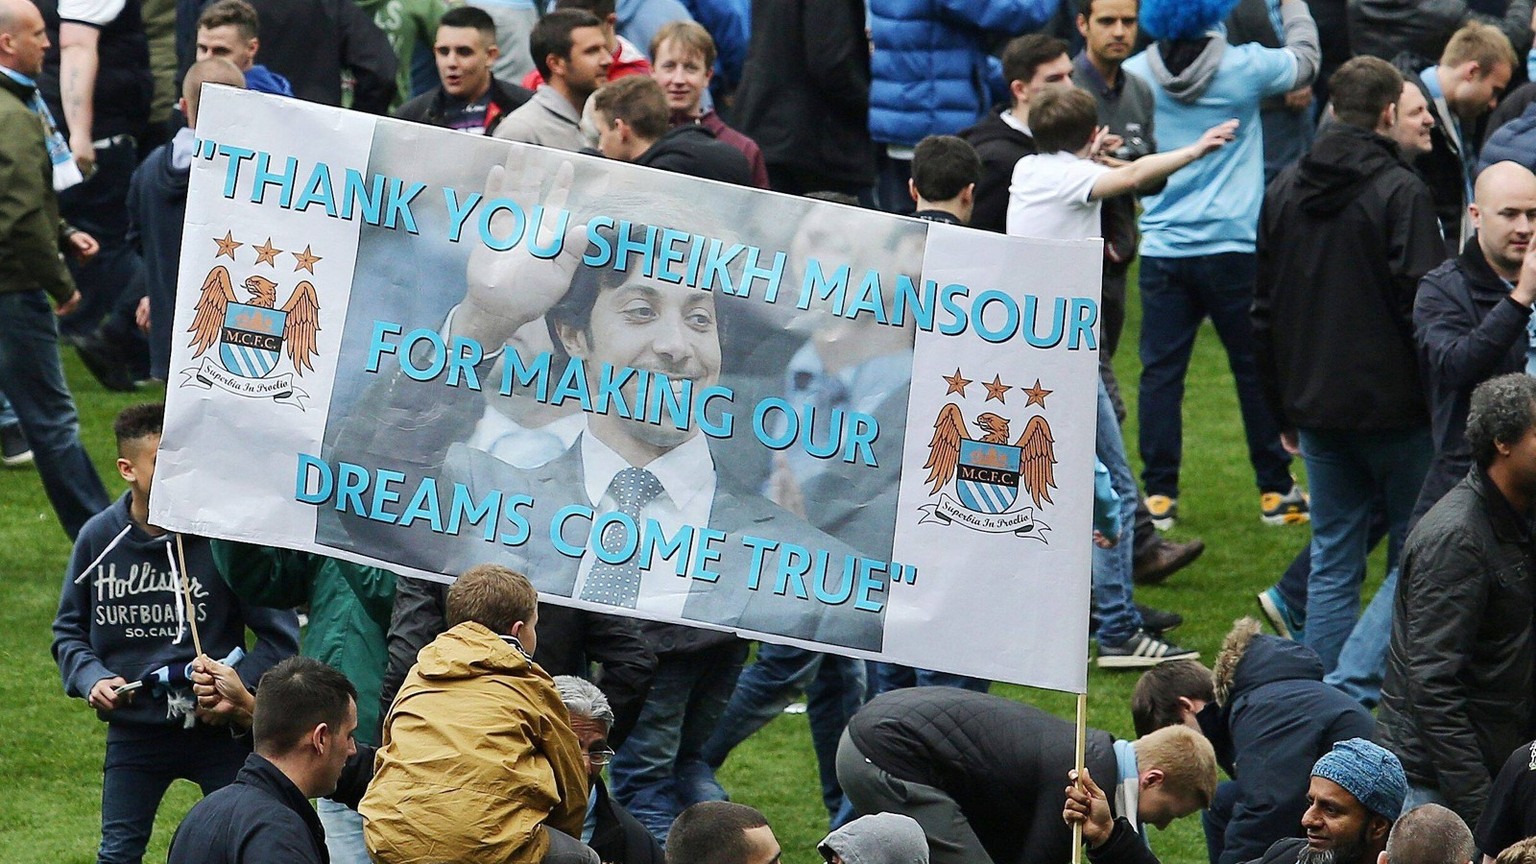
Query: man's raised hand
(507, 289)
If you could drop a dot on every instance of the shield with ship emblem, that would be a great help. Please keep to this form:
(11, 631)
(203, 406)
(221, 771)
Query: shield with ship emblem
(251, 340)
(987, 476)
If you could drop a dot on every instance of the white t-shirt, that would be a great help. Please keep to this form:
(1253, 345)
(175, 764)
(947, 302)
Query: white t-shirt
(1049, 197)
(97, 13)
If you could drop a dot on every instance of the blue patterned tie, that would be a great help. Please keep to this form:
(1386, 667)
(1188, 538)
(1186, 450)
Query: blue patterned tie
(619, 584)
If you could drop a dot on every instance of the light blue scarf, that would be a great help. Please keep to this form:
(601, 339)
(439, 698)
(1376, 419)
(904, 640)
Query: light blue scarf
(65, 172)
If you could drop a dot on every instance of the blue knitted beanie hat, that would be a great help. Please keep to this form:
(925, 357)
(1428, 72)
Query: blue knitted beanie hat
(1367, 771)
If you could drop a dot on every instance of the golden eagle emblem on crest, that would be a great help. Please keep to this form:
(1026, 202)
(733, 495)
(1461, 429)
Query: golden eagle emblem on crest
(988, 471)
(252, 336)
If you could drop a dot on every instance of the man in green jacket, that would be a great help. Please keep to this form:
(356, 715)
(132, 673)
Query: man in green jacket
(349, 606)
(31, 272)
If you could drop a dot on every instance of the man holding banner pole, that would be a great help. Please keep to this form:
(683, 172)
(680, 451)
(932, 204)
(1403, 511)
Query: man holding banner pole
(982, 773)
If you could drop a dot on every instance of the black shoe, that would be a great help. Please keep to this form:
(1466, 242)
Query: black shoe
(14, 450)
(1165, 558)
(1158, 621)
(105, 363)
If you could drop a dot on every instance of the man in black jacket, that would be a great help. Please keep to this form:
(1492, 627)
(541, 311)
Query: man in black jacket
(1344, 237)
(468, 96)
(312, 42)
(1458, 698)
(1386, 28)
(804, 95)
(983, 774)
(305, 715)
(632, 126)
(1470, 317)
(1030, 64)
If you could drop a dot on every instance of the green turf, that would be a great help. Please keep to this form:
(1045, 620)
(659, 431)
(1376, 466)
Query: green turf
(51, 746)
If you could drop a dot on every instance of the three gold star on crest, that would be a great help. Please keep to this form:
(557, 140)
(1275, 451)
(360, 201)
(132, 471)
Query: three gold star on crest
(996, 389)
(266, 253)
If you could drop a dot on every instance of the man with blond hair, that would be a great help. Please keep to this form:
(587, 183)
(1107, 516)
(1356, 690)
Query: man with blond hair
(479, 676)
(683, 63)
(1473, 71)
(1354, 796)
(983, 774)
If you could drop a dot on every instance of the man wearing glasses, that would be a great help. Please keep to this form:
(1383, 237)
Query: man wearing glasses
(616, 836)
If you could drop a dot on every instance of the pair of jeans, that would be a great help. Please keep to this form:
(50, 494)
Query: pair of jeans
(891, 190)
(7, 413)
(1348, 471)
(1363, 662)
(99, 207)
(34, 384)
(834, 690)
(141, 765)
(1112, 304)
(660, 768)
(1177, 294)
(1114, 568)
(1293, 582)
(343, 832)
(885, 677)
(1214, 819)
(1287, 137)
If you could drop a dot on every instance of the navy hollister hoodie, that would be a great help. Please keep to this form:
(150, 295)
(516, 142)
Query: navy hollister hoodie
(122, 612)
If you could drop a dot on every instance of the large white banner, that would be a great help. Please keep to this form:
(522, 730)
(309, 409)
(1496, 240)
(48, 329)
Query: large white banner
(654, 395)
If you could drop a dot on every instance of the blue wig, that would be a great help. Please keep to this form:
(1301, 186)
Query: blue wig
(1183, 19)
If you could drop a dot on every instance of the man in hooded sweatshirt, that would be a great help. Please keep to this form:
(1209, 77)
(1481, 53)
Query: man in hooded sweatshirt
(879, 838)
(1197, 247)
(157, 208)
(1344, 238)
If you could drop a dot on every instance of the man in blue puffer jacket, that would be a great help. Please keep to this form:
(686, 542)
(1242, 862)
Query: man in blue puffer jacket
(932, 73)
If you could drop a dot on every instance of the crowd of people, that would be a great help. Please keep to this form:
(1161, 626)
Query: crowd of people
(1345, 190)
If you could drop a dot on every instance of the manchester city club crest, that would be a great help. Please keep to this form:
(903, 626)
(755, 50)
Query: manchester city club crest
(256, 339)
(991, 481)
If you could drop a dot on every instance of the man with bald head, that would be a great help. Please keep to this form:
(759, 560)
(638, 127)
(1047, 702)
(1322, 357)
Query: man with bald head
(31, 273)
(1429, 834)
(1471, 315)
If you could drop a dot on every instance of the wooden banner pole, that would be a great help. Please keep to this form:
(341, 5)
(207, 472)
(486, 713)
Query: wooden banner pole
(197, 642)
(1080, 755)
